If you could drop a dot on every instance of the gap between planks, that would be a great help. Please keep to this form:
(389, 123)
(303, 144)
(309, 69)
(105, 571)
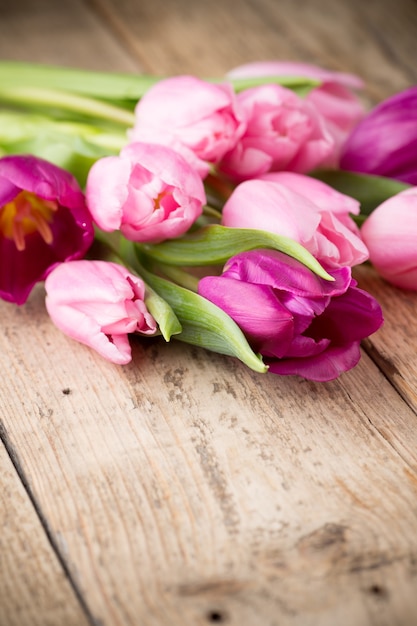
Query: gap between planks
(14, 458)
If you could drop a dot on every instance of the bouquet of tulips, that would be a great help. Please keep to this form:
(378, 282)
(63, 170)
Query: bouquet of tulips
(223, 213)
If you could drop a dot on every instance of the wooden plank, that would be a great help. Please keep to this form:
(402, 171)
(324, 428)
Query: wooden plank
(209, 38)
(68, 34)
(184, 487)
(394, 347)
(34, 590)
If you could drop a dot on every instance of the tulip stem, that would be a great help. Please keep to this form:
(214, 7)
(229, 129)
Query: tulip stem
(210, 211)
(66, 101)
(180, 277)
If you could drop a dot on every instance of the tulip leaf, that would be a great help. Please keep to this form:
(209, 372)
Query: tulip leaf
(163, 314)
(302, 86)
(118, 88)
(368, 189)
(70, 145)
(104, 85)
(203, 323)
(215, 244)
(73, 104)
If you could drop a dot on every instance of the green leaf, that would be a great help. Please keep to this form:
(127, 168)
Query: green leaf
(204, 324)
(117, 87)
(70, 145)
(368, 189)
(214, 245)
(41, 98)
(163, 314)
(109, 86)
(300, 85)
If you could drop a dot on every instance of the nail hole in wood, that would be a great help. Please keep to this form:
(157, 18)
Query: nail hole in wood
(377, 590)
(216, 617)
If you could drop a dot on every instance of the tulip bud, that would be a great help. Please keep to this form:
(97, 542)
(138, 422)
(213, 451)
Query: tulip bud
(385, 141)
(390, 233)
(99, 304)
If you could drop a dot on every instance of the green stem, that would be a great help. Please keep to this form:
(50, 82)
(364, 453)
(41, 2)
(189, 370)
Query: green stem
(104, 85)
(37, 96)
(210, 211)
(180, 277)
(122, 251)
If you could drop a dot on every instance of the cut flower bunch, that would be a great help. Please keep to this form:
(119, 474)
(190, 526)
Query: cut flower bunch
(224, 213)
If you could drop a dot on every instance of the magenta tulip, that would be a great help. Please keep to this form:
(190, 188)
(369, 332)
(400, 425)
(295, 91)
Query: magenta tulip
(98, 304)
(43, 221)
(384, 143)
(390, 233)
(149, 192)
(300, 323)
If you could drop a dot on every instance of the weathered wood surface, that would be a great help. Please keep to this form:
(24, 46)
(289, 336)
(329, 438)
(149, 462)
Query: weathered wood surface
(183, 489)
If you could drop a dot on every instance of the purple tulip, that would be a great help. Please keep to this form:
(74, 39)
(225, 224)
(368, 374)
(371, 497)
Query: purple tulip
(43, 221)
(300, 323)
(384, 143)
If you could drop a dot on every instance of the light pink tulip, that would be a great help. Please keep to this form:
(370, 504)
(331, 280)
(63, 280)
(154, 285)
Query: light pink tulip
(302, 208)
(98, 303)
(390, 233)
(197, 118)
(148, 192)
(282, 132)
(335, 98)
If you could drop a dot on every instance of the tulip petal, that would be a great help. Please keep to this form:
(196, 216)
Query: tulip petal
(262, 321)
(385, 141)
(323, 367)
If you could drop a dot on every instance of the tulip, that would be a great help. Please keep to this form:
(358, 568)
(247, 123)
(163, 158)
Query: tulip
(384, 143)
(390, 233)
(98, 303)
(149, 192)
(197, 118)
(300, 323)
(282, 132)
(302, 208)
(335, 98)
(43, 221)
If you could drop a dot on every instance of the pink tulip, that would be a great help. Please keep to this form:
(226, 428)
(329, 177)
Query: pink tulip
(300, 323)
(149, 192)
(197, 118)
(302, 208)
(384, 143)
(335, 98)
(43, 221)
(282, 132)
(98, 303)
(390, 233)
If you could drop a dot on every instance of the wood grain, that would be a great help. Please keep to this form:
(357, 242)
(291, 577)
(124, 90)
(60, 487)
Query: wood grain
(212, 496)
(394, 347)
(210, 37)
(184, 489)
(69, 34)
(34, 590)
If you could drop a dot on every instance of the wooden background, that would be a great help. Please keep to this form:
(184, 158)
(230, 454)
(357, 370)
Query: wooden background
(183, 489)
